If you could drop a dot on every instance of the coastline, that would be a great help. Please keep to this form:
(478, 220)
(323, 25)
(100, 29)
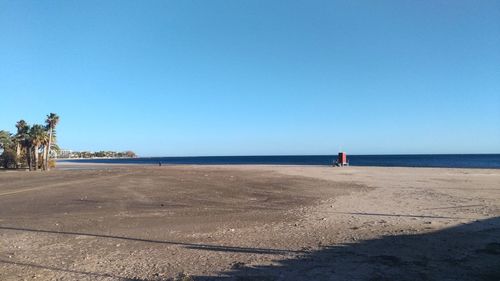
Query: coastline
(65, 164)
(477, 161)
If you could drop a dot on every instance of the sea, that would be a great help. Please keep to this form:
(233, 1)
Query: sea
(489, 161)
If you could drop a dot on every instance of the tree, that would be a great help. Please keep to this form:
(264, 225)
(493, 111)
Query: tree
(20, 139)
(38, 137)
(51, 121)
(7, 158)
(5, 140)
(30, 145)
(26, 145)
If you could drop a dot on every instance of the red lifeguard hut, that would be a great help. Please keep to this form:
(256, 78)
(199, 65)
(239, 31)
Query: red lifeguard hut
(342, 160)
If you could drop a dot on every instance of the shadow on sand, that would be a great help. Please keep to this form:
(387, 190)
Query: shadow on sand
(466, 252)
(194, 246)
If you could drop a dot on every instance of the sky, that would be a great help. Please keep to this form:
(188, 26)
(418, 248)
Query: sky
(255, 77)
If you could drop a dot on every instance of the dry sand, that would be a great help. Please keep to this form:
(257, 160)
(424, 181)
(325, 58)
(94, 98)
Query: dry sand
(250, 223)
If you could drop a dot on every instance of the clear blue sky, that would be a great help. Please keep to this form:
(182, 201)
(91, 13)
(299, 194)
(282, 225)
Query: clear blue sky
(254, 77)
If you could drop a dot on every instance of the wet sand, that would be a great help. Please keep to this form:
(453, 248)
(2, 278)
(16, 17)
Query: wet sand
(101, 222)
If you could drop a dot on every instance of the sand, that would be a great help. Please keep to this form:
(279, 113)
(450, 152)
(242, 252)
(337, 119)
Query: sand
(103, 222)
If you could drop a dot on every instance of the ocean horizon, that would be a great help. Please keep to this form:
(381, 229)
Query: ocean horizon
(486, 161)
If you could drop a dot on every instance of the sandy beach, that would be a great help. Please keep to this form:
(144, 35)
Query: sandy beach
(102, 222)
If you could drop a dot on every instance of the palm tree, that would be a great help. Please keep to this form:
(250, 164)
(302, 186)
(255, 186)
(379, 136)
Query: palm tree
(38, 136)
(26, 146)
(5, 139)
(20, 138)
(6, 148)
(52, 121)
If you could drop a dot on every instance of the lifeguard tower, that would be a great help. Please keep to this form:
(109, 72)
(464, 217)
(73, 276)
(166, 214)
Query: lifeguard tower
(341, 160)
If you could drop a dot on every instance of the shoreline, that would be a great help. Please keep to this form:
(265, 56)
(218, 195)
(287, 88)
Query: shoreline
(87, 164)
(465, 161)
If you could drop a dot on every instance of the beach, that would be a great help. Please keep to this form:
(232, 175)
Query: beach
(249, 222)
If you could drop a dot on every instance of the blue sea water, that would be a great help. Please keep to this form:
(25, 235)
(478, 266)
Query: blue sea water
(420, 160)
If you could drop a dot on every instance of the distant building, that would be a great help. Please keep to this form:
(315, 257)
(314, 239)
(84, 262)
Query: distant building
(63, 153)
(66, 153)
